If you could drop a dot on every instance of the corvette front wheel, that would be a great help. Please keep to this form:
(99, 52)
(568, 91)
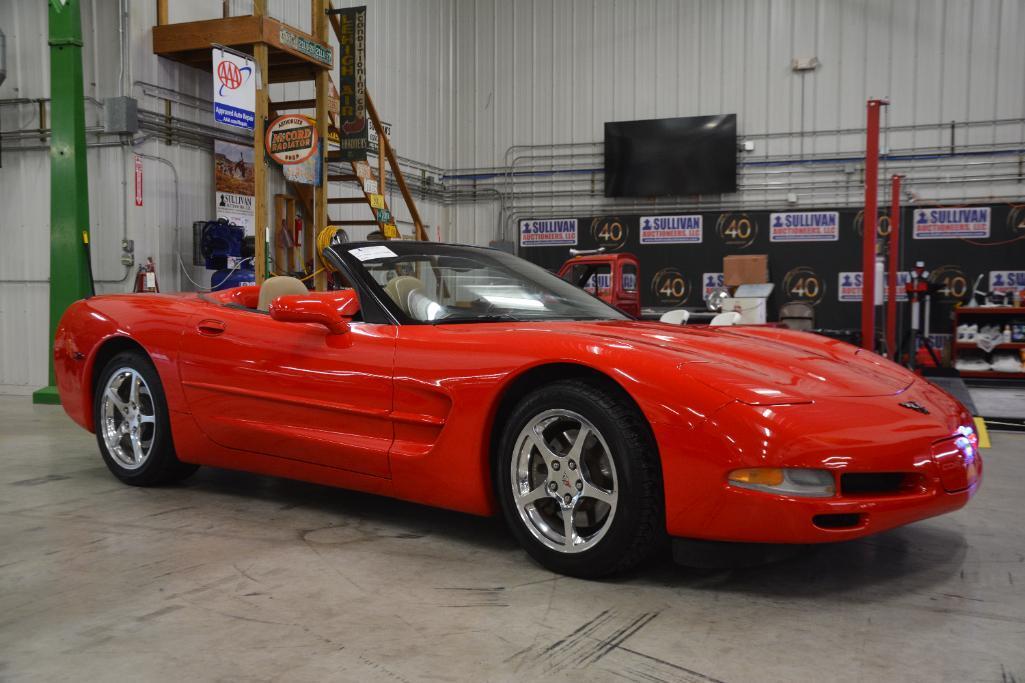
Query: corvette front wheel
(579, 479)
(133, 429)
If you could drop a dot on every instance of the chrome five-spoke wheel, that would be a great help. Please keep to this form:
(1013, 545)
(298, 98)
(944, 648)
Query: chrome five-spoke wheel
(564, 481)
(128, 418)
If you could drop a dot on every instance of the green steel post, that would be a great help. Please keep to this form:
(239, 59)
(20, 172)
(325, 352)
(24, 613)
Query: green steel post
(69, 182)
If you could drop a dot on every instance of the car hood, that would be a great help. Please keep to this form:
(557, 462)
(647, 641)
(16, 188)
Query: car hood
(761, 365)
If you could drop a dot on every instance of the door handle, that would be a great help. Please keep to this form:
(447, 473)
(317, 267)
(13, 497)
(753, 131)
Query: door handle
(211, 328)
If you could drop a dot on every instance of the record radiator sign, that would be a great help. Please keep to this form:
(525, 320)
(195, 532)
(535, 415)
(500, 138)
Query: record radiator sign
(291, 139)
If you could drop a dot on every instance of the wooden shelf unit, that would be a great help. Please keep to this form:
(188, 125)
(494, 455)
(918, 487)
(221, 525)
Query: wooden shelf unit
(991, 374)
(189, 43)
(285, 54)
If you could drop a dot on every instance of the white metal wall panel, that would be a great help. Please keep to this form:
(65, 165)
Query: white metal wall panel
(543, 72)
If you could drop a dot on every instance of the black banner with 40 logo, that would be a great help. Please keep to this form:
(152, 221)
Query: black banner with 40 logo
(814, 254)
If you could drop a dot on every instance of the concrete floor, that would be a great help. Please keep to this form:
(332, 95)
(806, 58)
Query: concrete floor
(233, 576)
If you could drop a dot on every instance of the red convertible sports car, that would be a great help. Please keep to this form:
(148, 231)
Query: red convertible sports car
(469, 379)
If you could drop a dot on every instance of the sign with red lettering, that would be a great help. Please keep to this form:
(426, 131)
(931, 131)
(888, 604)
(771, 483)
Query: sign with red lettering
(138, 180)
(291, 139)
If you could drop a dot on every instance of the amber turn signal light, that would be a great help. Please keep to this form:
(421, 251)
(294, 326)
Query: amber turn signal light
(786, 481)
(766, 476)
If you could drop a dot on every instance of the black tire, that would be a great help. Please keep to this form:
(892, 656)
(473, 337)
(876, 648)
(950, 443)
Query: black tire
(638, 526)
(161, 465)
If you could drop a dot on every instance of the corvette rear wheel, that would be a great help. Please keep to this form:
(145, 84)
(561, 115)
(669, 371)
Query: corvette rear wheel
(133, 429)
(579, 480)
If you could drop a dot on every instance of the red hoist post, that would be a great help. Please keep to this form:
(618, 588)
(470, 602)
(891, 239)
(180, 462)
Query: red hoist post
(892, 266)
(868, 251)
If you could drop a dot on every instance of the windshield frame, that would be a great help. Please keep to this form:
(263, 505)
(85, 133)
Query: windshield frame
(368, 285)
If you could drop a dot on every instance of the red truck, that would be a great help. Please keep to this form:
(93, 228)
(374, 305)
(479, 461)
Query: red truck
(613, 278)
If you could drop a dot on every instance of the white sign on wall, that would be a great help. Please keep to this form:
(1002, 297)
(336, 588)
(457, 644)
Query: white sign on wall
(804, 226)
(850, 286)
(671, 229)
(548, 233)
(711, 281)
(372, 134)
(1004, 281)
(938, 224)
(234, 89)
(234, 184)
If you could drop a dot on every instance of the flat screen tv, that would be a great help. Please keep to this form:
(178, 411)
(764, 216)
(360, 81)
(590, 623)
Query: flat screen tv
(690, 155)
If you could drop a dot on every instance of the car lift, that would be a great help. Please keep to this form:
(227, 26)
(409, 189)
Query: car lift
(868, 250)
(70, 273)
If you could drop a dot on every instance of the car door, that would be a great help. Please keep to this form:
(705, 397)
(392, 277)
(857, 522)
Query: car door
(291, 390)
(627, 298)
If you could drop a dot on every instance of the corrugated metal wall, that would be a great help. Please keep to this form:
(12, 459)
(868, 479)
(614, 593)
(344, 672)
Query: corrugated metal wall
(479, 88)
(551, 72)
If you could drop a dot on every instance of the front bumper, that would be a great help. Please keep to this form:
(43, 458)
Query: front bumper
(756, 517)
(845, 436)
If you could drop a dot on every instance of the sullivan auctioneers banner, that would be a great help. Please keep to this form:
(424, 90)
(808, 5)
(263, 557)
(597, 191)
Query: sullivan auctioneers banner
(234, 184)
(814, 254)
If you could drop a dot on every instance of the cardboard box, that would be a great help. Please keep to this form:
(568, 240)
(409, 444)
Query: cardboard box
(749, 269)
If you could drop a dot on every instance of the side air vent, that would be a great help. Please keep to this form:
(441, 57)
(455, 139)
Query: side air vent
(836, 521)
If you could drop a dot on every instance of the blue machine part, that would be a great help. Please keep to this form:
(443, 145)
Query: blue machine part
(222, 243)
(220, 240)
(227, 278)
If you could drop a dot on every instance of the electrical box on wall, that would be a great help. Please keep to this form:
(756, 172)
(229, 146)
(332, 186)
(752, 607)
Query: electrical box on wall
(122, 115)
(804, 63)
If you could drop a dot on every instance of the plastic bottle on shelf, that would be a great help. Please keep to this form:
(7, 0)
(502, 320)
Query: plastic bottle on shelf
(1007, 334)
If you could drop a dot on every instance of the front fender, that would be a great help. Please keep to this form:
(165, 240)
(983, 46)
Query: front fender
(151, 322)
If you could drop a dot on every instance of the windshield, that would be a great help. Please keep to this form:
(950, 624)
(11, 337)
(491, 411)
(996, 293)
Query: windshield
(440, 283)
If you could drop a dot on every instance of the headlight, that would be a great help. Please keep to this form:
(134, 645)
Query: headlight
(967, 442)
(788, 481)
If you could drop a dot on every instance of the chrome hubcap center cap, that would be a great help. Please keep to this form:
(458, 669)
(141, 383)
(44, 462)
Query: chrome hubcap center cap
(127, 418)
(564, 481)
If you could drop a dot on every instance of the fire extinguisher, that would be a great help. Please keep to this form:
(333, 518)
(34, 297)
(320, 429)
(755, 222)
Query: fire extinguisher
(146, 277)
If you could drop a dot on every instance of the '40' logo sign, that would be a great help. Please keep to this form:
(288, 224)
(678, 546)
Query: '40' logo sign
(737, 229)
(951, 283)
(610, 232)
(804, 284)
(882, 224)
(1016, 220)
(669, 286)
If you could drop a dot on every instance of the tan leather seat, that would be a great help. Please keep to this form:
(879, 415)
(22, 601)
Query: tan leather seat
(279, 285)
(398, 289)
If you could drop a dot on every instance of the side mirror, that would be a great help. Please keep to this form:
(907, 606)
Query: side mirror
(345, 301)
(299, 308)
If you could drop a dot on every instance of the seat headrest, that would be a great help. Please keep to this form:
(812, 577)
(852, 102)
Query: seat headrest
(398, 290)
(422, 307)
(279, 285)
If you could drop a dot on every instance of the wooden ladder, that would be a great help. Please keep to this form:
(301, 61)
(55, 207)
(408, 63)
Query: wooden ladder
(360, 172)
(363, 171)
